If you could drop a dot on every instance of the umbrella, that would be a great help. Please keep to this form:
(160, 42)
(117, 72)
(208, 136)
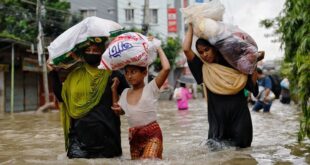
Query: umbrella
(187, 79)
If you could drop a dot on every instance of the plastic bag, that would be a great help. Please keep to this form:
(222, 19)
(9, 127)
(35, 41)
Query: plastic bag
(154, 43)
(237, 47)
(128, 48)
(213, 10)
(64, 51)
(177, 95)
(271, 96)
(285, 83)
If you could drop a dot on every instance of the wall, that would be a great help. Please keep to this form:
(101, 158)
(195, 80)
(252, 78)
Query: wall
(138, 6)
(106, 9)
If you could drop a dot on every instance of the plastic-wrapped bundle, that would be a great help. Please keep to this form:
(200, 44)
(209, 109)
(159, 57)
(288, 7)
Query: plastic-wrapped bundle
(68, 47)
(238, 48)
(129, 48)
(212, 9)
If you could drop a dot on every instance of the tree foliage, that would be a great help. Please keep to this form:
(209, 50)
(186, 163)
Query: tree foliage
(172, 48)
(293, 29)
(18, 18)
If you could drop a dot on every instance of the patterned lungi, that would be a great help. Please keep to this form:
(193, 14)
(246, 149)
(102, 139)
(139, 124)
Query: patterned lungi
(146, 141)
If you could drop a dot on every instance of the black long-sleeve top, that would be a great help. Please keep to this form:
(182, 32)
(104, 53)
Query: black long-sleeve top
(98, 133)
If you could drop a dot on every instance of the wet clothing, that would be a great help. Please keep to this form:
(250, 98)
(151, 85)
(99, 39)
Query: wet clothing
(145, 136)
(81, 91)
(264, 82)
(145, 111)
(182, 95)
(97, 133)
(228, 115)
(285, 96)
(146, 141)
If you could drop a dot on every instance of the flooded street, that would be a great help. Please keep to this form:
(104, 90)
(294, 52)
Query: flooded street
(30, 138)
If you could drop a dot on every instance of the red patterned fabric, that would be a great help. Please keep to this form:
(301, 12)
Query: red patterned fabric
(146, 141)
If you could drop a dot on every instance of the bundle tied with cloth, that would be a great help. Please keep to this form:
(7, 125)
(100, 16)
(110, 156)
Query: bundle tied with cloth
(129, 48)
(68, 48)
(237, 48)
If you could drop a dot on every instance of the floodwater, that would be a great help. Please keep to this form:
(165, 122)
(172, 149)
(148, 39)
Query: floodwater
(31, 138)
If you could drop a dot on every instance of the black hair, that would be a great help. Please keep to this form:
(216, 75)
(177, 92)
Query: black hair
(140, 68)
(182, 85)
(201, 41)
(259, 70)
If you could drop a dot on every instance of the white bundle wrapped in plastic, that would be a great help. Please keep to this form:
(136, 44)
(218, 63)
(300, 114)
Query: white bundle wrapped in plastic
(129, 48)
(154, 43)
(64, 50)
(237, 47)
(213, 10)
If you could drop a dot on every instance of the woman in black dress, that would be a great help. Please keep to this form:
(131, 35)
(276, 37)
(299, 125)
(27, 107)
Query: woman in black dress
(228, 114)
(91, 128)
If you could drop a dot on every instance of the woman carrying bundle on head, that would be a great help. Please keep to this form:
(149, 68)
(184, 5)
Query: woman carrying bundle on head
(228, 114)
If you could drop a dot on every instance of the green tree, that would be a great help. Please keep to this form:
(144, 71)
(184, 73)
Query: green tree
(293, 28)
(172, 48)
(18, 18)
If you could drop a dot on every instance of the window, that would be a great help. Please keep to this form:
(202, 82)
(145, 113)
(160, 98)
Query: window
(153, 16)
(129, 15)
(88, 12)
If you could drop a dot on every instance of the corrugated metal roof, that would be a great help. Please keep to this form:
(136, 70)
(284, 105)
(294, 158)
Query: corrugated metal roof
(19, 42)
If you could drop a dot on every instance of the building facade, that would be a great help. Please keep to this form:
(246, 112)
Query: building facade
(106, 9)
(20, 93)
(131, 15)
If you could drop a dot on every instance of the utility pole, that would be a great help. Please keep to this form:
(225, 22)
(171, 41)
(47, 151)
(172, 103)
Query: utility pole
(146, 17)
(40, 50)
(145, 26)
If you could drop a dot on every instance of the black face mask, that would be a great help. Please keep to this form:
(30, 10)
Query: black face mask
(92, 60)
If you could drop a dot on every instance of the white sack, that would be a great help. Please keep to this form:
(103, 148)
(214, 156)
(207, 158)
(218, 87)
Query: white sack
(213, 10)
(89, 27)
(129, 48)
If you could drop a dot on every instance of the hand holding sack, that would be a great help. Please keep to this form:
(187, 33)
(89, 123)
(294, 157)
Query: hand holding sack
(129, 48)
(261, 96)
(67, 48)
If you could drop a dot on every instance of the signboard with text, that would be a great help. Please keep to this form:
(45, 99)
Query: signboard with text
(172, 20)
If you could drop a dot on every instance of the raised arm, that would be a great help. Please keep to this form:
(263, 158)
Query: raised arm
(164, 72)
(187, 43)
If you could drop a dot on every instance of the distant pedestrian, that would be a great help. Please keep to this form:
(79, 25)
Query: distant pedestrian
(265, 95)
(285, 96)
(182, 95)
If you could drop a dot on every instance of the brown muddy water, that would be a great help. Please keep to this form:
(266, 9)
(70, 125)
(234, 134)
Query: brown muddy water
(32, 138)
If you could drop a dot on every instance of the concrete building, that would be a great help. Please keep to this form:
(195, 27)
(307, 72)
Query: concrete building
(131, 15)
(23, 92)
(106, 9)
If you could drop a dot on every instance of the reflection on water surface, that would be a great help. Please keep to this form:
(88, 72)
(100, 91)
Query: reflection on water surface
(29, 138)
